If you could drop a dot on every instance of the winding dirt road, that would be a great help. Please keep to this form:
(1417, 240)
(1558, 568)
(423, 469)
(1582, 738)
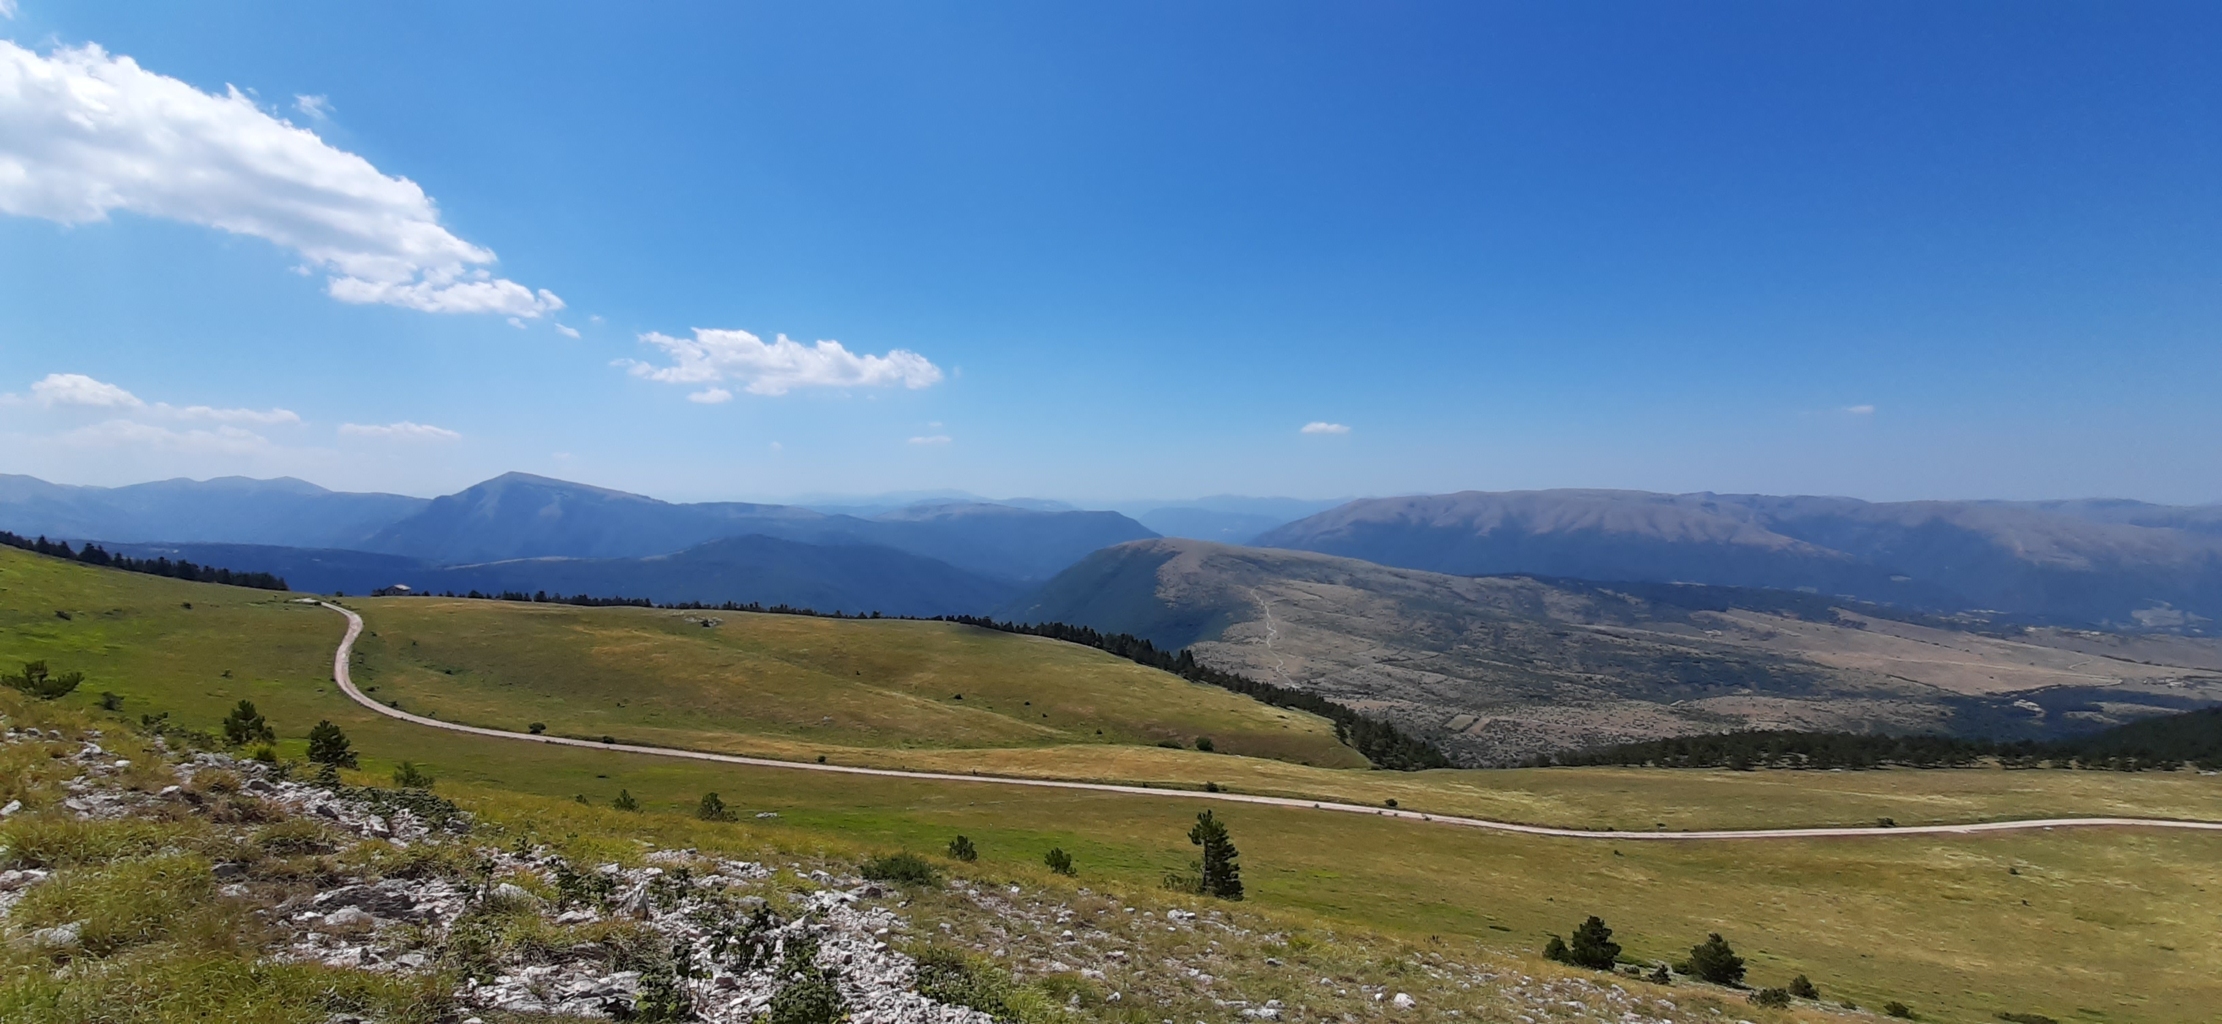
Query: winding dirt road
(355, 630)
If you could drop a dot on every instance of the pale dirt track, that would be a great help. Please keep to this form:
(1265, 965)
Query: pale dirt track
(355, 629)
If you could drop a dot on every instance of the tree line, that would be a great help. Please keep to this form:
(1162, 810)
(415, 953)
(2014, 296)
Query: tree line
(93, 554)
(2162, 743)
(1382, 743)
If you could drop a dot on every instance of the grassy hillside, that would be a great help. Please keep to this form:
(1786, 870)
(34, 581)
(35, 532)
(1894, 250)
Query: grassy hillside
(2117, 923)
(798, 685)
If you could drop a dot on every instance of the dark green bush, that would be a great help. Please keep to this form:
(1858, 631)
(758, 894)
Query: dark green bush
(1773, 997)
(1714, 961)
(1059, 861)
(328, 745)
(1592, 946)
(1803, 988)
(1204, 744)
(906, 867)
(625, 801)
(38, 682)
(712, 809)
(961, 848)
(1899, 1010)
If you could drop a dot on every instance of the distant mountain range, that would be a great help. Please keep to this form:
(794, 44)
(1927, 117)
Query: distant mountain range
(1496, 669)
(524, 532)
(232, 509)
(2117, 563)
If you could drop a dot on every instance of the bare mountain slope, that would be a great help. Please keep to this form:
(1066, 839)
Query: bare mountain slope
(1500, 668)
(2101, 562)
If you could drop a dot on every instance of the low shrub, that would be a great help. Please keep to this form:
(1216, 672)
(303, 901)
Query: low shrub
(1776, 998)
(906, 867)
(959, 979)
(1803, 988)
(1059, 861)
(961, 848)
(1899, 1010)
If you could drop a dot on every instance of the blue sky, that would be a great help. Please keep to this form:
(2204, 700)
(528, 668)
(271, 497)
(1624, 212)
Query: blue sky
(1121, 250)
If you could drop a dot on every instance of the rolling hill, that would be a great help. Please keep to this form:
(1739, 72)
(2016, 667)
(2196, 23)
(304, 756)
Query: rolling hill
(1498, 669)
(2113, 563)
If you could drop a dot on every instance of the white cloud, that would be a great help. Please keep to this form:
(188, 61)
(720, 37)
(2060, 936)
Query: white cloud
(7, 9)
(84, 134)
(711, 396)
(935, 439)
(1860, 410)
(779, 367)
(202, 412)
(1323, 427)
(67, 389)
(225, 440)
(568, 332)
(402, 431)
(316, 107)
(78, 389)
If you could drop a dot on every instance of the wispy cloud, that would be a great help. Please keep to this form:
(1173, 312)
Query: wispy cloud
(1323, 427)
(710, 396)
(402, 431)
(777, 367)
(224, 440)
(84, 133)
(77, 389)
(931, 439)
(318, 108)
(61, 390)
(1860, 410)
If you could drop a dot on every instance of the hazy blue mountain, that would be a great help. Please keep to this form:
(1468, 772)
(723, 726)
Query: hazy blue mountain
(237, 510)
(1205, 524)
(2120, 563)
(518, 515)
(827, 577)
(1000, 540)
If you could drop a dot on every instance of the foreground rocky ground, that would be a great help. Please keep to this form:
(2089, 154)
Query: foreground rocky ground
(125, 868)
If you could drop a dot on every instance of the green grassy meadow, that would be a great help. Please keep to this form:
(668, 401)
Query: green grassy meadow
(2110, 926)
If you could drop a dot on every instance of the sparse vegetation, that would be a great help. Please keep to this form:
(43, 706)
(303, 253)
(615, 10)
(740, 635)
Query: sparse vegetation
(1059, 861)
(712, 809)
(410, 775)
(1899, 1010)
(625, 801)
(1803, 988)
(961, 848)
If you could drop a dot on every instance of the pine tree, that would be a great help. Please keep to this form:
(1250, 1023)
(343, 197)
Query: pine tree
(38, 682)
(1058, 860)
(961, 848)
(712, 809)
(625, 801)
(1714, 961)
(1592, 946)
(246, 725)
(1803, 988)
(328, 745)
(1221, 876)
